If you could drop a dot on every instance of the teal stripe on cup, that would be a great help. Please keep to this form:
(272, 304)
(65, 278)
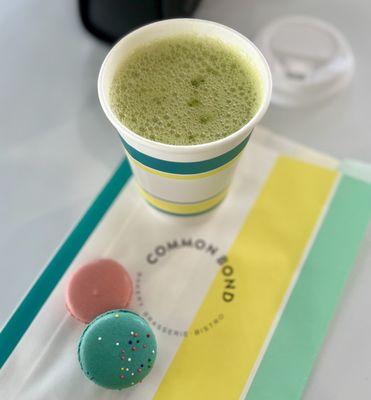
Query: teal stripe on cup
(185, 168)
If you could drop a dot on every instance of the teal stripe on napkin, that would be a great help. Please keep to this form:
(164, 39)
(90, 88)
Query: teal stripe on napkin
(287, 363)
(356, 169)
(26, 312)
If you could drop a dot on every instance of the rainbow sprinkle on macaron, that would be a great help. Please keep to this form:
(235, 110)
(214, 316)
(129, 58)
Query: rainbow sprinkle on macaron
(117, 350)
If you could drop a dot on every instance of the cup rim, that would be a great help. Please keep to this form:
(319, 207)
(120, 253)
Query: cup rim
(192, 147)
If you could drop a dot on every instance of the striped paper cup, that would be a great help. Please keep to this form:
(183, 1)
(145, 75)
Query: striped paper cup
(183, 180)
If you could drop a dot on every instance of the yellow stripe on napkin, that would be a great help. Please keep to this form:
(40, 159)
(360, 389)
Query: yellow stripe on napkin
(217, 363)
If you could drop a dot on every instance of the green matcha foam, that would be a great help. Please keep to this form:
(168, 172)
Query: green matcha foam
(185, 90)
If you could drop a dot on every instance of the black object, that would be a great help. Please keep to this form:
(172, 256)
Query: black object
(111, 19)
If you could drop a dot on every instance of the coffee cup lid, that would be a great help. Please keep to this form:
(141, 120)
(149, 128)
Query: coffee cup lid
(310, 59)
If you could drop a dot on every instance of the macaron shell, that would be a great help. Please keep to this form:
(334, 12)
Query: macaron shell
(98, 287)
(117, 350)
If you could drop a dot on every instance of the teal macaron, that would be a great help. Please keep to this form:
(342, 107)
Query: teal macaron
(117, 349)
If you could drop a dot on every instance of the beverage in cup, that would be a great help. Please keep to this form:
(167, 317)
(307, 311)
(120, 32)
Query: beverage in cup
(184, 96)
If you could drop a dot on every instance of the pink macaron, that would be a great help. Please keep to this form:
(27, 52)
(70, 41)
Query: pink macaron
(97, 287)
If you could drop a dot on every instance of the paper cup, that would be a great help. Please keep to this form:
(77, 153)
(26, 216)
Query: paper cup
(183, 180)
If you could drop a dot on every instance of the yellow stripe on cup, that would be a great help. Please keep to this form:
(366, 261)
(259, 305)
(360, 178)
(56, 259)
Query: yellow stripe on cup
(183, 208)
(261, 264)
(183, 177)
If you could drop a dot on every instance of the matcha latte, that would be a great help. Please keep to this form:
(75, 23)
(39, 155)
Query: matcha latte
(185, 90)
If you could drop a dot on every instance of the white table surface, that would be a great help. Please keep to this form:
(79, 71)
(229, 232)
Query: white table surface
(57, 149)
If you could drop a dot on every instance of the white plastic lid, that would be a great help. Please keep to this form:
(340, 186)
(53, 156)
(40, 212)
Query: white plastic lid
(310, 60)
